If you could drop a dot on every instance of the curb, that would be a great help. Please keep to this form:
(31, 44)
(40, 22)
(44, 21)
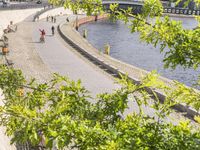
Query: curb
(180, 107)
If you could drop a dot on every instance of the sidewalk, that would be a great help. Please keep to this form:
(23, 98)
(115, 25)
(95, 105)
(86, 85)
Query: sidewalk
(62, 60)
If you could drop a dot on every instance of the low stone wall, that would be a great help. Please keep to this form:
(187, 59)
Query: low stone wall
(90, 19)
(15, 16)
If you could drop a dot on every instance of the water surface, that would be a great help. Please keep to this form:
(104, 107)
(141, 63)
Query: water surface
(127, 47)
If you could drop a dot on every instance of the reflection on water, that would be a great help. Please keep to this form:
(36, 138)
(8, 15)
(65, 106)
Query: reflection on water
(128, 48)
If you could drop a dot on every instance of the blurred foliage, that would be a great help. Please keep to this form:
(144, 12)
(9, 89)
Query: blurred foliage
(61, 113)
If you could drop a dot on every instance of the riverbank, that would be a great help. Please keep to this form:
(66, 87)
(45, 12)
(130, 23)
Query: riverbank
(71, 33)
(113, 65)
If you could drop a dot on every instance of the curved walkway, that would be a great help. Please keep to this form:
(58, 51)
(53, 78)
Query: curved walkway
(61, 59)
(53, 56)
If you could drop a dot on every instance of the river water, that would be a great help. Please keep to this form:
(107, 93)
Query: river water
(127, 47)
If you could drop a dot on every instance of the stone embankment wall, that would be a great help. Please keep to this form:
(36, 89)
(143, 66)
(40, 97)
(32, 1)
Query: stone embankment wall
(90, 19)
(15, 16)
(111, 64)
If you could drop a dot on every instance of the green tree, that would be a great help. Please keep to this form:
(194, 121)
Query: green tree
(60, 113)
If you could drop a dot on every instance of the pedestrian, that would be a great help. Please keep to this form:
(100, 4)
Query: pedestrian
(67, 19)
(52, 30)
(42, 35)
(54, 20)
(47, 18)
(9, 29)
(51, 18)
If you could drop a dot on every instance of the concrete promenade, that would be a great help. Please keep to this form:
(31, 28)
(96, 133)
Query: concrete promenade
(59, 58)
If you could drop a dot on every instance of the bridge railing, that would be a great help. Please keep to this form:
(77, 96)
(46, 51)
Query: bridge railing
(136, 5)
(183, 11)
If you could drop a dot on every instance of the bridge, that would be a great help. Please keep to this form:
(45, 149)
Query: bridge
(137, 5)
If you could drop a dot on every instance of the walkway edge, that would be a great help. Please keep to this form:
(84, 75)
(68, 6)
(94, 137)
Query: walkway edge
(180, 107)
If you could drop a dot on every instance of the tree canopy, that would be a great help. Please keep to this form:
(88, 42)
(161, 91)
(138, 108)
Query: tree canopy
(60, 113)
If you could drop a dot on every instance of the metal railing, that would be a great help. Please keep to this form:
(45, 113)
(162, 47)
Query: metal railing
(170, 10)
(183, 11)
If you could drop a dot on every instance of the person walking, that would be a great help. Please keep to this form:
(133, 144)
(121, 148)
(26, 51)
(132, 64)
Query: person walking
(54, 19)
(67, 19)
(52, 30)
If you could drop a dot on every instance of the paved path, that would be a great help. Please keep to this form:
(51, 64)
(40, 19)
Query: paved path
(59, 58)
(23, 53)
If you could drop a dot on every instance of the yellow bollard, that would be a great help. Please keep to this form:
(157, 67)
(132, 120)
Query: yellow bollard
(107, 49)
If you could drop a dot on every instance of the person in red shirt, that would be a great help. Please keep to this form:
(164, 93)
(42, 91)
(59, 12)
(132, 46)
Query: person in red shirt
(42, 33)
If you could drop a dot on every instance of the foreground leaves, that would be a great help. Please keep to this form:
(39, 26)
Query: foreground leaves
(61, 113)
